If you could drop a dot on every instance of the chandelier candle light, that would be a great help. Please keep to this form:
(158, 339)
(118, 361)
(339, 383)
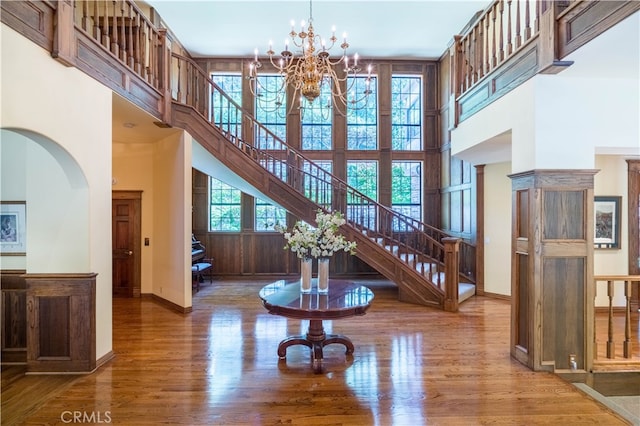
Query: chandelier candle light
(312, 69)
(320, 242)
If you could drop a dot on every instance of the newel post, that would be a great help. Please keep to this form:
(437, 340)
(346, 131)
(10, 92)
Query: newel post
(451, 273)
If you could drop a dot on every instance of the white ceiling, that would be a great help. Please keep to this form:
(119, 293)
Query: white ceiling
(375, 29)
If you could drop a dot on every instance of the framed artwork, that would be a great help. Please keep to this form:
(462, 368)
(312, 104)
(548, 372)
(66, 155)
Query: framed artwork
(13, 228)
(607, 222)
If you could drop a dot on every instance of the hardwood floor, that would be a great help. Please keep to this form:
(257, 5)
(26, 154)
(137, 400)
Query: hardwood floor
(218, 365)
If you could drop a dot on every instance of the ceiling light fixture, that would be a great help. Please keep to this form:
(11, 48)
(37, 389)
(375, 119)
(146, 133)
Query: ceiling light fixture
(310, 70)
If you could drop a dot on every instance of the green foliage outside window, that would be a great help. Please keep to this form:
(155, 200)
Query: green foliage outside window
(363, 176)
(267, 216)
(225, 207)
(270, 110)
(362, 121)
(223, 112)
(316, 120)
(406, 113)
(316, 187)
(406, 188)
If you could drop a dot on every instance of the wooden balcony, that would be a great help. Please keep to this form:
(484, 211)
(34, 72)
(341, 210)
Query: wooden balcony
(513, 40)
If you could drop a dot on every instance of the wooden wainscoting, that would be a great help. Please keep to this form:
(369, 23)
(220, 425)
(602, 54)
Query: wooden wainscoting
(14, 316)
(61, 312)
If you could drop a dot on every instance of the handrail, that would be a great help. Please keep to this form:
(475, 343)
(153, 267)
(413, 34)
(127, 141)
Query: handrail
(628, 280)
(409, 240)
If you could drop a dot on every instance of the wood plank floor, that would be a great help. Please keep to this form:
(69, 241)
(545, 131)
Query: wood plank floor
(218, 366)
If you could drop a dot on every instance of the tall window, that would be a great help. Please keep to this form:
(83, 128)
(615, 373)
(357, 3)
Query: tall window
(362, 121)
(225, 207)
(223, 113)
(316, 120)
(406, 113)
(270, 110)
(363, 176)
(317, 186)
(267, 215)
(406, 189)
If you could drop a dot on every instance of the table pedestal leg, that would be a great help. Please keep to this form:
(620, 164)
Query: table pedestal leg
(315, 339)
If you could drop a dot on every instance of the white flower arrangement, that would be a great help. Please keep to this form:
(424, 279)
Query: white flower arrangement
(321, 241)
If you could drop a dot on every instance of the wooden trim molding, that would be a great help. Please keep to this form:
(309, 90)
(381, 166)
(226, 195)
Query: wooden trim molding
(169, 304)
(497, 296)
(108, 357)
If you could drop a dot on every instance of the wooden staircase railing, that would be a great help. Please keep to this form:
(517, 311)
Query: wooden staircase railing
(510, 41)
(418, 248)
(615, 332)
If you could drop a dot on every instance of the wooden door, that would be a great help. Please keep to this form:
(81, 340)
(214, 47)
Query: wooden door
(125, 230)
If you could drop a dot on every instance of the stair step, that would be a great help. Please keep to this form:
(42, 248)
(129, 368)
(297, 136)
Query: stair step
(465, 291)
(430, 270)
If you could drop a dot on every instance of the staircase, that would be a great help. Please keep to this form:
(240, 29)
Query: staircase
(422, 260)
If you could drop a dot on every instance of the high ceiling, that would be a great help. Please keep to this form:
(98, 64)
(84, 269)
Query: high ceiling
(375, 29)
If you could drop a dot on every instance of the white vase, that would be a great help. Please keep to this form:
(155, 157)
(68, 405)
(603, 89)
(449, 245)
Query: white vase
(323, 275)
(305, 275)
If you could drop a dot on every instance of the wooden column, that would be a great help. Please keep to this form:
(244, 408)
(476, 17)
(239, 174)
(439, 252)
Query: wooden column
(552, 268)
(61, 322)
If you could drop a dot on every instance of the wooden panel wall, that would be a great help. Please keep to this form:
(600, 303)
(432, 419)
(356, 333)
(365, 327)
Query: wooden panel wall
(249, 252)
(61, 313)
(256, 253)
(457, 177)
(14, 316)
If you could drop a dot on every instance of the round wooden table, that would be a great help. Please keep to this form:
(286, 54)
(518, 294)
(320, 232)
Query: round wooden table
(345, 299)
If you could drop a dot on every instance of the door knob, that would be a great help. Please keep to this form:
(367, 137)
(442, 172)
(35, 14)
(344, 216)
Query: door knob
(129, 252)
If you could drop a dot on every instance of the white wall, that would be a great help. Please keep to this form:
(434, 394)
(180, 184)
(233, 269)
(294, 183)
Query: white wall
(497, 231)
(133, 171)
(162, 171)
(68, 114)
(13, 182)
(576, 117)
(172, 219)
(46, 188)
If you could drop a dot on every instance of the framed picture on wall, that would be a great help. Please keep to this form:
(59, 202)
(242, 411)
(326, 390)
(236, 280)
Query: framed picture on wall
(13, 227)
(607, 222)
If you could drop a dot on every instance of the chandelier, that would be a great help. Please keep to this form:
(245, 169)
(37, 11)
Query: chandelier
(311, 70)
